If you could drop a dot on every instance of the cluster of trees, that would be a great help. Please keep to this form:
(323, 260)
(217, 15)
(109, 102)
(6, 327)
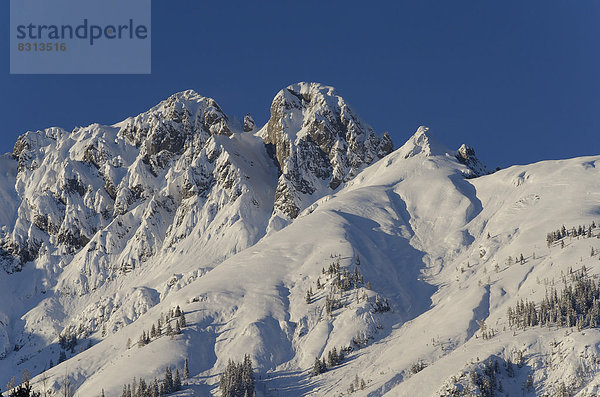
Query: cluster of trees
(330, 360)
(486, 333)
(238, 379)
(331, 304)
(417, 367)
(157, 329)
(169, 384)
(357, 384)
(343, 280)
(24, 389)
(67, 340)
(360, 340)
(485, 380)
(559, 234)
(577, 305)
(520, 259)
(381, 305)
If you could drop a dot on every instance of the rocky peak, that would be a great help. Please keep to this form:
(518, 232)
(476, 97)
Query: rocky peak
(424, 143)
(75, 186)
(173, 123)
(249, 124)
(466, 155)
(318, 140)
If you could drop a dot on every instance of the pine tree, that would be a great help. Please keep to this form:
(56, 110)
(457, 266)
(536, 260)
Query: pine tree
(142, 388)
(155, 388)
(168, 382)
(331, 359)
(247, 375)
(186, 370)
(176, 381)
(318, 367)
(182, 320)
(308, 297)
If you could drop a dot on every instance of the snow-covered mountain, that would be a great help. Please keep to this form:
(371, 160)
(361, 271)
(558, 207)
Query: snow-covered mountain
(286, 242)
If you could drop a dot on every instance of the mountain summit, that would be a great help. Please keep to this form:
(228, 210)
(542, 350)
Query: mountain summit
(305, 256)
(319, 142)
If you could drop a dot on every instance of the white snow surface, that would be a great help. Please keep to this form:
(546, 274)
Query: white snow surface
(189, 228)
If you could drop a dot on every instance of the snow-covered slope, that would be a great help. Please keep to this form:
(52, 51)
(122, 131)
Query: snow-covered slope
(285, 242)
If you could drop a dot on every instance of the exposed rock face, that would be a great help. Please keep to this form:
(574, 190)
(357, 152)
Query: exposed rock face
(186, 118)
(140, 186)
(466, 155)
(249, 124)
(319, 142)
(129, 190)
(118, 219)
(423, 143)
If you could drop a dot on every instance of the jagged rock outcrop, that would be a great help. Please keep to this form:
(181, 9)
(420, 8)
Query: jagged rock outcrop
(249, 124)
(117, 220)
(319, 142)
(139, 187)
(424, 143)
(466, 155)
(129, 190)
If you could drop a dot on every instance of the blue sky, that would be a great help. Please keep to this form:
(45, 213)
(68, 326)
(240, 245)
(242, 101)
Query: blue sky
(519, 81)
